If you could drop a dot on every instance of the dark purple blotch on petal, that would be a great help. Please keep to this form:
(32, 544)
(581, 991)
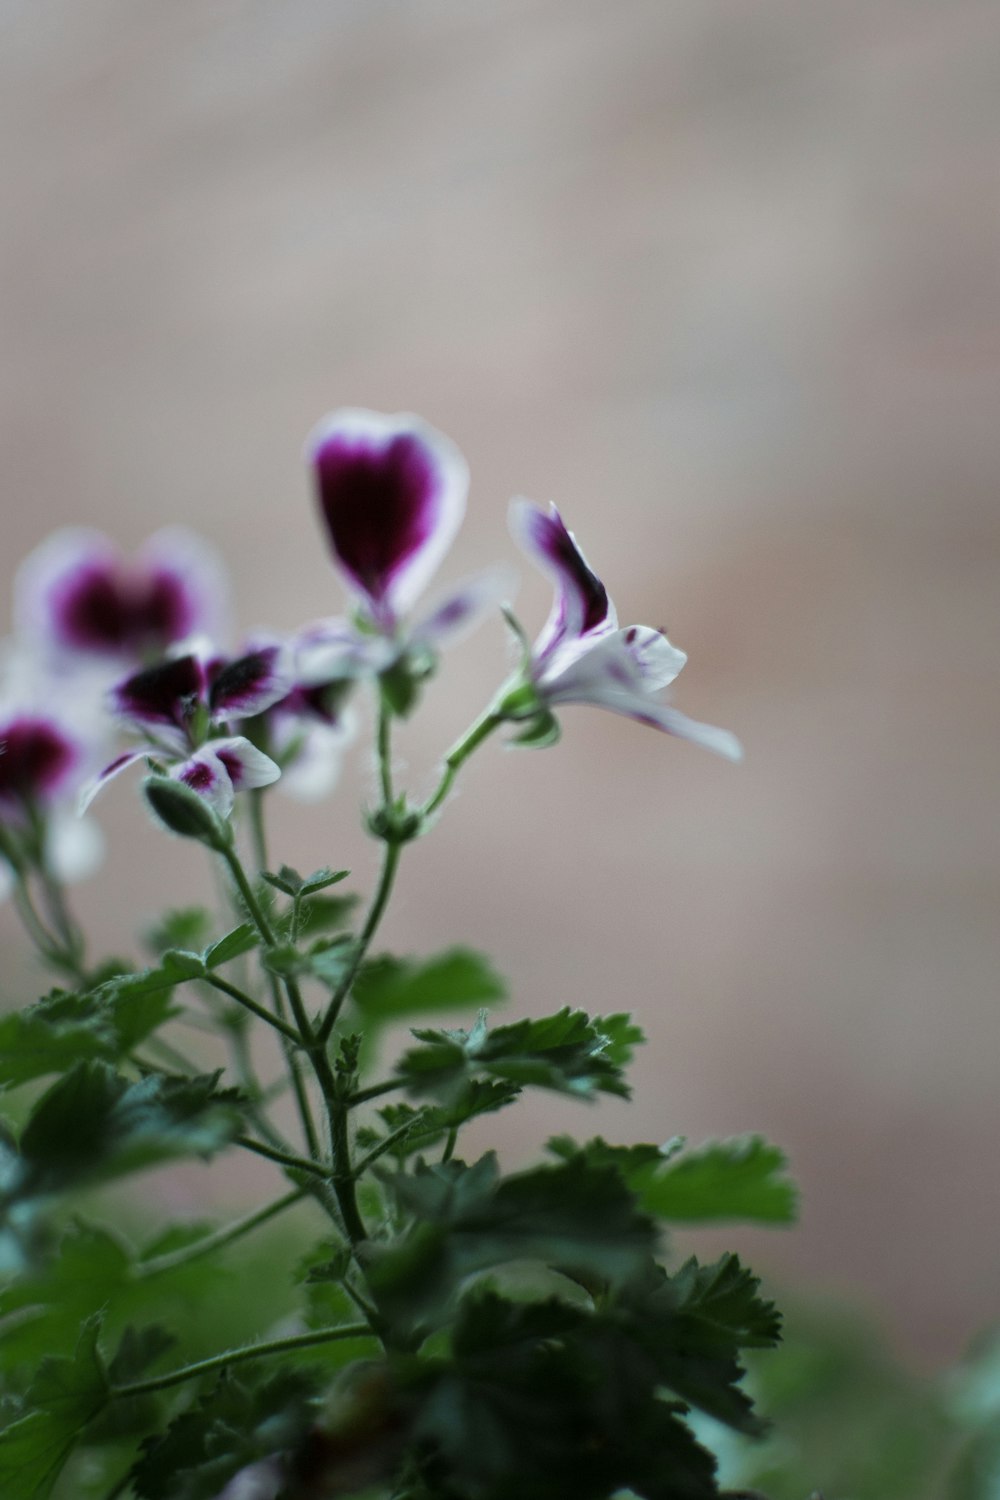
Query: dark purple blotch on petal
(242, 687)
(34, 758)
(233, 765)
(199, 776)
(323, 701)
(378, 502)
(99, 607)
(165, 694)
(555, 541)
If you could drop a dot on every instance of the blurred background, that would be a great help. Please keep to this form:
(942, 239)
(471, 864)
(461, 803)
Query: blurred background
(722, 281)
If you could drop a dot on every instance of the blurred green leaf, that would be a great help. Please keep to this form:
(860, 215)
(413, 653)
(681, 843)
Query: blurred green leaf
(387, 988)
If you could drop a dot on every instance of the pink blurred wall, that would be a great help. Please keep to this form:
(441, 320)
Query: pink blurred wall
(720, 279)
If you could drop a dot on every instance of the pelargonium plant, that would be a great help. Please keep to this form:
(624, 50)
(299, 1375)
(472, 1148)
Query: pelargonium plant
(392, 1319)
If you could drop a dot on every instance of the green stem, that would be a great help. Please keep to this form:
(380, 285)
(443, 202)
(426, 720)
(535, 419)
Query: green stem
(238, 1356)
(240, 996)
(283, 1158)
(373, 1091)
(410, 1128)
(459, 753)
(225, 1236)
(390, 864)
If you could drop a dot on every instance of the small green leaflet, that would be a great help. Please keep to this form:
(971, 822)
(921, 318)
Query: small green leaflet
(388, 988)
(743, 1178)
(567, 1052)
(68, 1393)
(95, 1125)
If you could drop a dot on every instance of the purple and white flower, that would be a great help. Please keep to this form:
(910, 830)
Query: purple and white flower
(391, 494)
(76, 597)
(182, 708)
(43, 763)
(582, 654)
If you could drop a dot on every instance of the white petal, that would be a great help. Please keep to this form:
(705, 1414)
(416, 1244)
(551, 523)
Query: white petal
(460, 609)
(100, 781)
(315, 770)
(74, 847)
(245, 765)
(205, 774)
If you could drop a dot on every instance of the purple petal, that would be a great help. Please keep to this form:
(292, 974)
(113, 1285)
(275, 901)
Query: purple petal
(162, 695)
(183, 588)
(76, 593)
(245, 765)
(581, 604)
(392, 496)
(100, 781)
(250, 684)
(462, 608)
(36, 759)
(69, 594)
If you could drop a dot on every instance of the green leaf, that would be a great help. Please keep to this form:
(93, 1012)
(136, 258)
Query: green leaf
(183, 927)
(567, 1052)
(94, 1125)
(181, 965)
(63, 1028)
(388, 988)
(241, 940)
(293, 884)
(66, 1394)
(237, 1422)
(431, 1121)
(53, 1297)
(534, 1390)
(743, 1178)
(571, 1217)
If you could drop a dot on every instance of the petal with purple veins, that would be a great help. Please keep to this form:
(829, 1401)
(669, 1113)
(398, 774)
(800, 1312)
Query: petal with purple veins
(246, 766)
(581, 605)
(113, 769)
(459, 610)
(205, 773)
(392, 495)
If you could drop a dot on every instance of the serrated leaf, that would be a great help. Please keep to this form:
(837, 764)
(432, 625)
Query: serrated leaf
(66, 1395)
(63, 1027)
(94, 1125)
(567, 1052)
(466, 1219)
(429, 1122)
(743, 1178)
(387, 988)
(242, 939)
(54, 1297)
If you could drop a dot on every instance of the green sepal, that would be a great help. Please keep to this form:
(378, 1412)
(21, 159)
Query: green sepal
(184, 812)
(542, 731)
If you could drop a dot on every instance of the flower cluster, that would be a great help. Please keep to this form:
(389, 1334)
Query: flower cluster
(136, 649)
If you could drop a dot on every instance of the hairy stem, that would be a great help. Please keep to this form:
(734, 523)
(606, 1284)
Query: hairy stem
(239, 1356)
(225, 1236)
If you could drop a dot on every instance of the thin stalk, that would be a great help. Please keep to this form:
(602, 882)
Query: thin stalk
(248, 1003)
(459, 753)
(238, 1356)
(373, 1091)
(390, 864)
(225, 1236)
(283, 1158)
(410, 1128)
